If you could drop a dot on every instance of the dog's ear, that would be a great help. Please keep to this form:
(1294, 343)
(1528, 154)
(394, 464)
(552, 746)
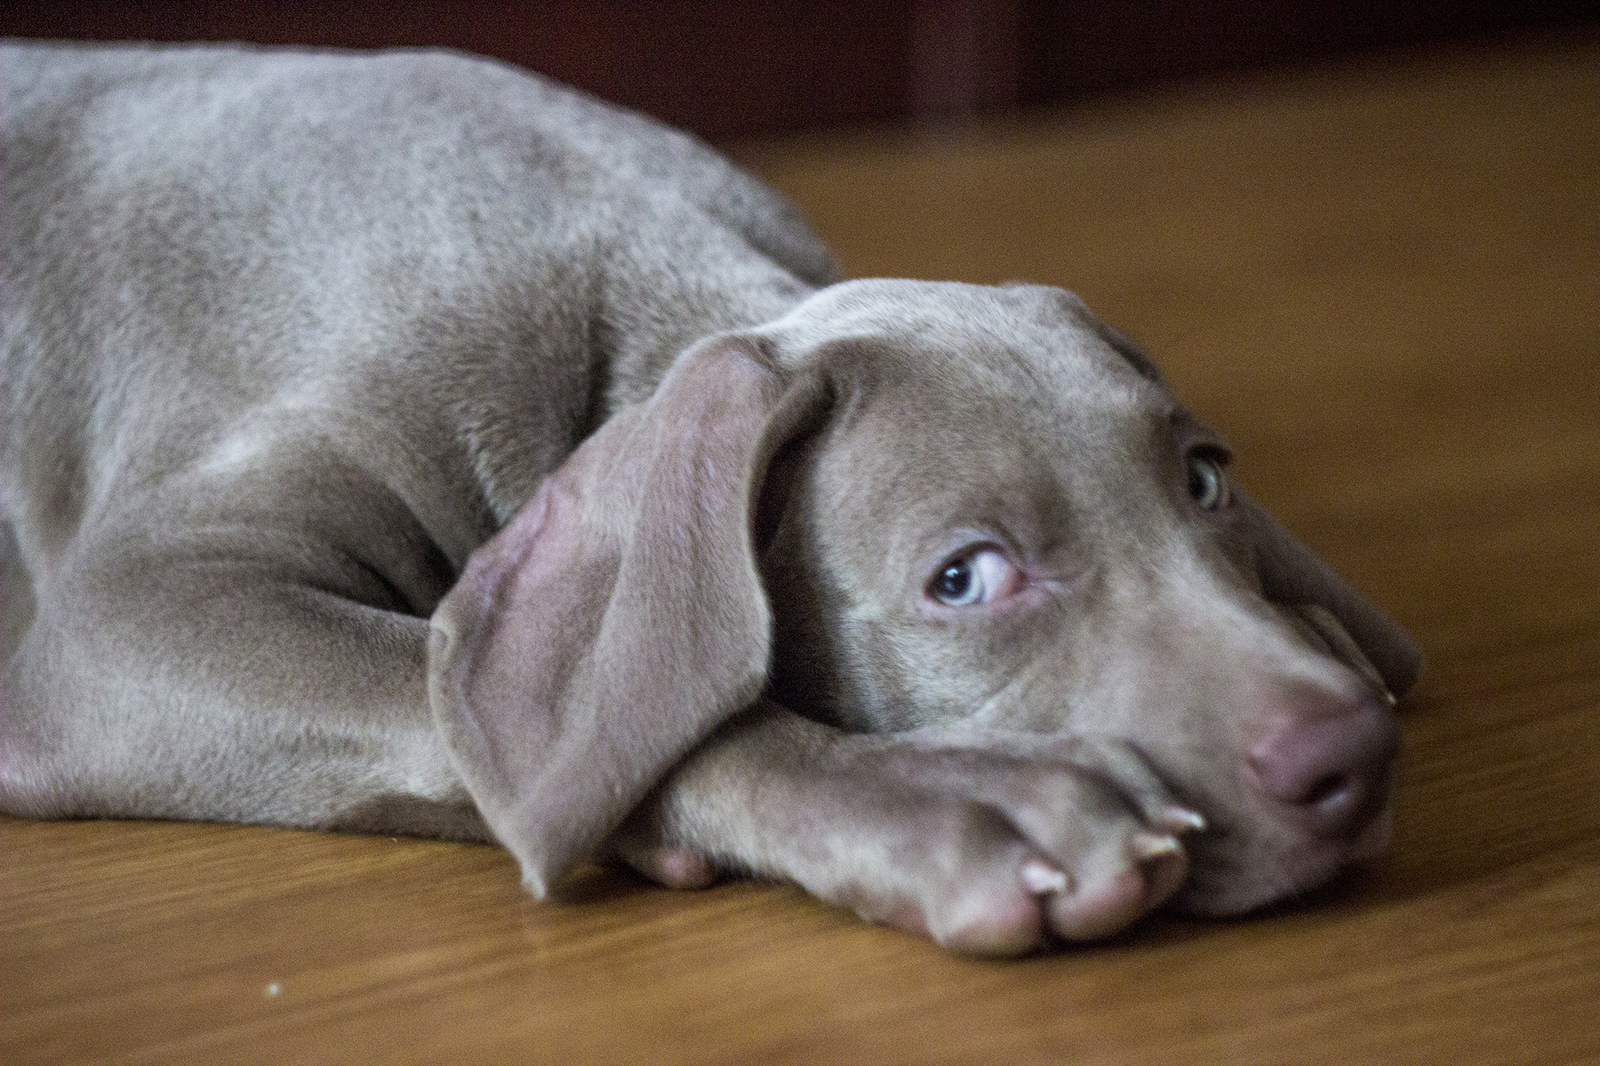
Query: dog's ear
(619, 618)
(1292, 576)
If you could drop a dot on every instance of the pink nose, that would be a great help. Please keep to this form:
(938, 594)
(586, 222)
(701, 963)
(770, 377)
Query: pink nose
(1330, 768)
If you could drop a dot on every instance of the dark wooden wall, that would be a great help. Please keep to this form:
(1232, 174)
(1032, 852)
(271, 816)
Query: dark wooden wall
(731, 67)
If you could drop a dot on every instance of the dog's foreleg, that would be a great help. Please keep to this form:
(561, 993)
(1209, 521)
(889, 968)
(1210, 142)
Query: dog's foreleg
(987, 843)
(222, 689)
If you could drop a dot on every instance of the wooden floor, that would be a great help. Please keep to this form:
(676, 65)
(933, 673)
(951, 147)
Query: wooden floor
(1382, 282)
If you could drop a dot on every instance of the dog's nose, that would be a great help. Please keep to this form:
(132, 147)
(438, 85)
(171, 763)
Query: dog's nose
(1331, 768)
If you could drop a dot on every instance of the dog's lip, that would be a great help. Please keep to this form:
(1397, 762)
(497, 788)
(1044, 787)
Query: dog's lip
(1227, 888)
(1232, 872)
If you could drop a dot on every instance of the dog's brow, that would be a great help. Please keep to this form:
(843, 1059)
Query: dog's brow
(1187, 427)
(1183, 422)
(1125, 347)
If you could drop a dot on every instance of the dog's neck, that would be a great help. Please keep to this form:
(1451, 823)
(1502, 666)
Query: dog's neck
(628, 319)
(648, 316)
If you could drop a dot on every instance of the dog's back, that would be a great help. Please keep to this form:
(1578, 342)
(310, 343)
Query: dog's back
(425, 216)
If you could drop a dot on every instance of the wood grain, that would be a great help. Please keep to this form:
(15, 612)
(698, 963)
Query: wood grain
(1382, 282)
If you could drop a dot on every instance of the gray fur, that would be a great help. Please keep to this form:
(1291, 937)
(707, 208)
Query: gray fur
(403, 442)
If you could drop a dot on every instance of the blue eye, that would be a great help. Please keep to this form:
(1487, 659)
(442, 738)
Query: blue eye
(1206, 482)
(979, 575)
(956, 584)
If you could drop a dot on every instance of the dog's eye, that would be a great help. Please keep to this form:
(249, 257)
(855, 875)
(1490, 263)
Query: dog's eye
(1206, 482)
(979, 575)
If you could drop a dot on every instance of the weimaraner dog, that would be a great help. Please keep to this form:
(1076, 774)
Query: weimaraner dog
(404, 443)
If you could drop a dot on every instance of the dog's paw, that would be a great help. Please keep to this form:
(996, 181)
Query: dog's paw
(994, 846)
(670, 867)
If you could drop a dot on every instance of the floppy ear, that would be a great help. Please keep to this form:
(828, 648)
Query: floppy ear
(1292, 576)
(619, 617)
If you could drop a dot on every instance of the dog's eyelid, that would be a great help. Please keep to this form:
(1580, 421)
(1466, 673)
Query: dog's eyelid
(1194, 437)
(1213, 450)
(969, 545)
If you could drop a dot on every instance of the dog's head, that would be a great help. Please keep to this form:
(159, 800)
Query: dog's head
(1009, 519)
(907, 504)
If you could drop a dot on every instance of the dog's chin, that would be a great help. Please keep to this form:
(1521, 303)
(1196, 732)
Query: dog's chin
(1235, 877)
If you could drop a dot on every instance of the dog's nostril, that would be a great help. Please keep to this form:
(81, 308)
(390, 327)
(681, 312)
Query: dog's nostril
(1330, 769)
(1327, 791)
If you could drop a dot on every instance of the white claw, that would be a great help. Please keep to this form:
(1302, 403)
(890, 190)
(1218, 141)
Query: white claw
(1042, 879)
(1183, 820)
(1150, 846)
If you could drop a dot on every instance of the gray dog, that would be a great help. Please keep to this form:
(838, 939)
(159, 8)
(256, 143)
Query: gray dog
(405, 443)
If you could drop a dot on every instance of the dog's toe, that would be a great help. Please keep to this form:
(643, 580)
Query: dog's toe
(991, 920)
(674, 867)
(1114, 885)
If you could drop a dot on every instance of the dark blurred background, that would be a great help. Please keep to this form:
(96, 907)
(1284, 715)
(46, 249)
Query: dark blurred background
(730, 68)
